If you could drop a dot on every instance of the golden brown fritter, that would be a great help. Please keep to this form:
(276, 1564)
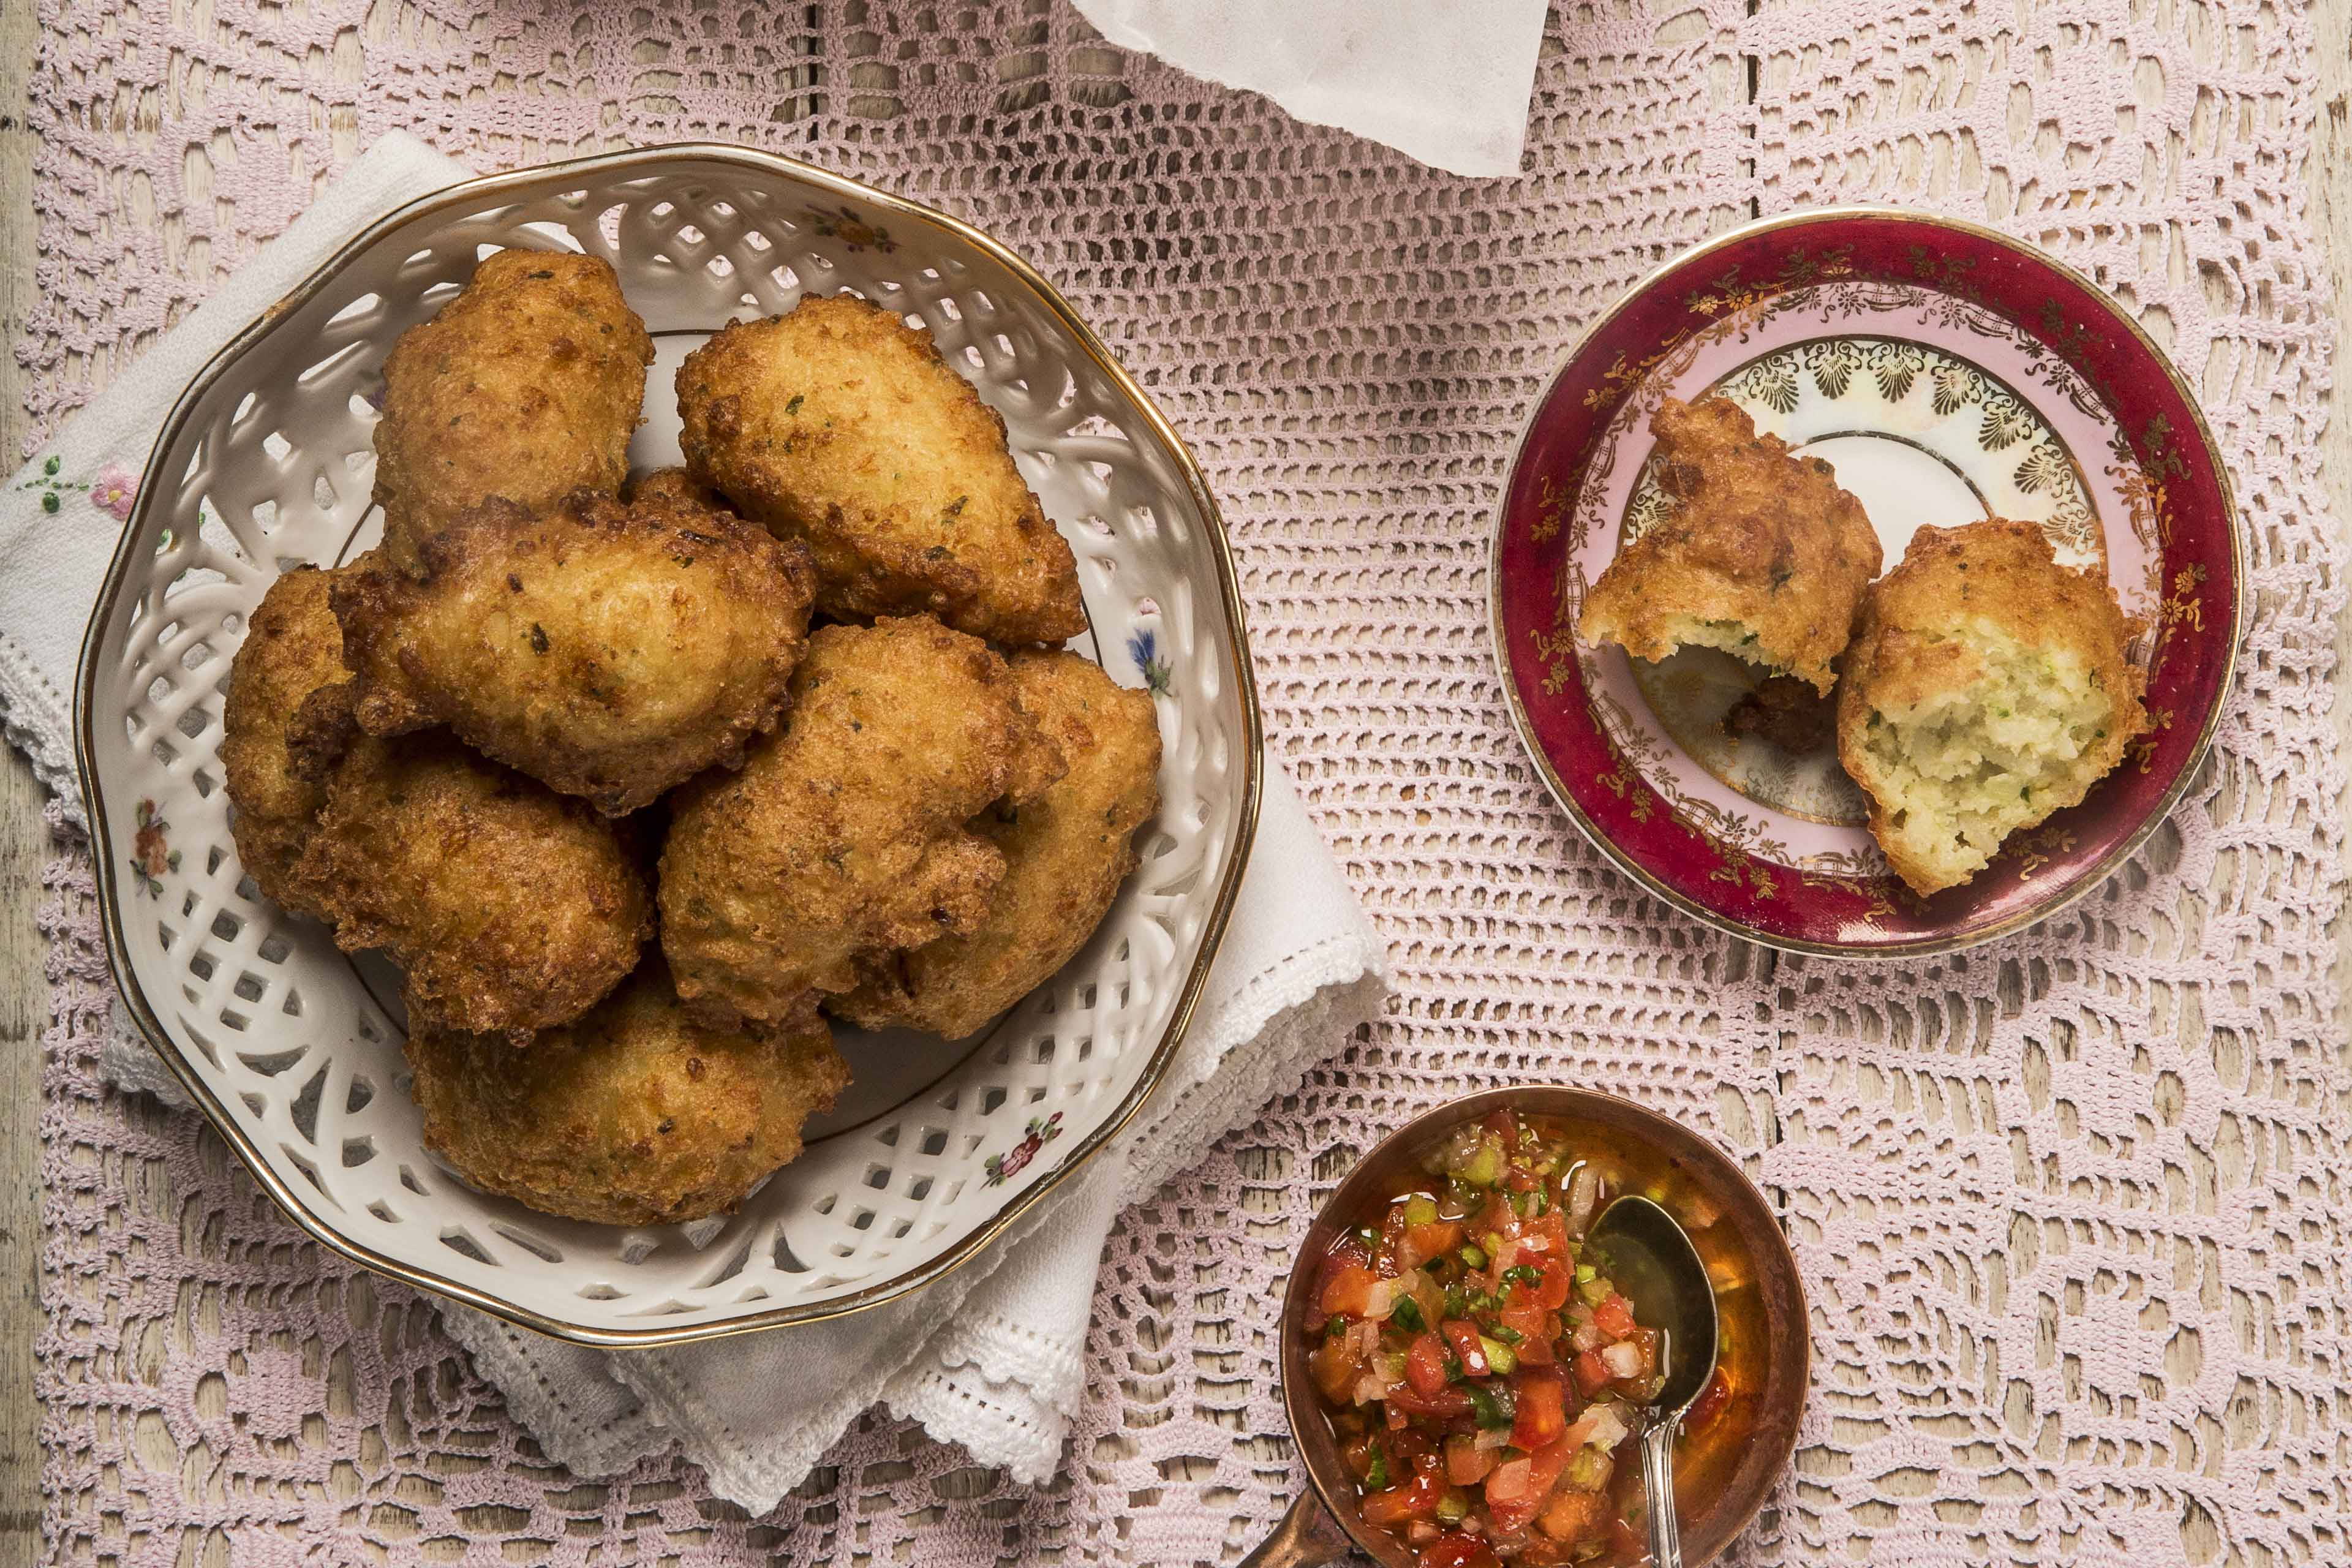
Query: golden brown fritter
(609, 651)
(637, 1114)
(1065, 856)
(838, 425)
(510, 907)
(528, 386)
(844, 833)
(675, 484)
(287, 718)
(1987, 689)
(1763, 556)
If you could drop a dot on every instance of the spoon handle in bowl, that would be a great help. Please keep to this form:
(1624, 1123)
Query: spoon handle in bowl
(1307, 1536)
(1658, 1485)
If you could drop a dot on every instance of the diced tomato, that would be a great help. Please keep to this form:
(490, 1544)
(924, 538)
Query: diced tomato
(1357, 1453)
(1389, 1257)
(1348, 1290)
(1550, 1289)
(1457, 1550)
(1592, 1374)
(1505, 1126)
(1416, 1498)
(1547, 1233)
(1626, 1543)
(1446, 1403)
(1467, 1464)
(1416, 1451)
(1614, 1317)
(1574, 1517)
(1513, 1503)
(1532, 1324)
(1709, 1403)
(1423, 1242)
(1334, 1367)
(1425, 1365)
(1462, 1336)
(1542, 1408)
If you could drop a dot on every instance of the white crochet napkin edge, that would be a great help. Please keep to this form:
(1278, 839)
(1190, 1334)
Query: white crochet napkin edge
(988, 1377)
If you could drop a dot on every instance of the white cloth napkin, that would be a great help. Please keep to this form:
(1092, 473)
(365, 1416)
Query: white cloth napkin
(993, 1355)
(1446, 81)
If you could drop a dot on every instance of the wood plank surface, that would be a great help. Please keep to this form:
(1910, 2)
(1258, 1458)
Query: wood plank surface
(24, 840)
(24, 844)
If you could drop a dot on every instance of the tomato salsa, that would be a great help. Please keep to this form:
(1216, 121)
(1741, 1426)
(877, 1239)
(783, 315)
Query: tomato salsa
(1480, 1367)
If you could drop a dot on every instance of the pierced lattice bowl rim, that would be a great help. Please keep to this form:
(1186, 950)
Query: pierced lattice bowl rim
(133, 557)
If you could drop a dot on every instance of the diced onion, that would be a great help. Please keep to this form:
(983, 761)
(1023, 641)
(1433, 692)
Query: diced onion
(1421, 1532)
(1587, 1337)
(1583, 1198)
(1493, 1438)
(1599, 1427)
(1621, 1360)
(1510, 1481)
(1382, 1298)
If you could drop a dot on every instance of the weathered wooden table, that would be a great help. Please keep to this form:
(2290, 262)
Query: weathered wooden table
(24, 840)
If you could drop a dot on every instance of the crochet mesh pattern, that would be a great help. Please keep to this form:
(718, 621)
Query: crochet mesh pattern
(2069, 1207)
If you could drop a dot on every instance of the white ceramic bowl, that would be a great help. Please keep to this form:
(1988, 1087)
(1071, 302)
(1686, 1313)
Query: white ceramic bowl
(293, 1049)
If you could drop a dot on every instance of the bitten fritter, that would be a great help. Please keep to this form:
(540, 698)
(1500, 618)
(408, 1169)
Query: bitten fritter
(1988, 689)
(1065, 856)
(843, 835)
(609, 651)
(838, 425)
(1762, 556)
(637, 1114)
(510, 907)
(528, 386)
(287, 718)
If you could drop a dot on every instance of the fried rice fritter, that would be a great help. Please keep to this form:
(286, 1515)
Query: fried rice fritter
(675, 484)
(509, 907)
(528, 386)
(1988, 689)
(608, 650)
(843, 835)
(1065, 855)
(287, 718)
(1763, 556)
(634, 1114)
(838, 425)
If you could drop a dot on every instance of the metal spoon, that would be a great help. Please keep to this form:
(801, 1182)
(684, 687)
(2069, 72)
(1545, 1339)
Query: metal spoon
(1654, 1263)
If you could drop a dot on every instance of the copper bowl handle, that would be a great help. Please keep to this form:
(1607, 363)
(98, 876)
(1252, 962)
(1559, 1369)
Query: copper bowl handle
(1307, 1537)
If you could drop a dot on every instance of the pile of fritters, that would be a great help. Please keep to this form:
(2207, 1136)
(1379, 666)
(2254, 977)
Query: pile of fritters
(1979, 687)
(557, 711)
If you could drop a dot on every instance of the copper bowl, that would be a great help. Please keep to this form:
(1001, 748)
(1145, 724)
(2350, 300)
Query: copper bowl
(1722, 1476)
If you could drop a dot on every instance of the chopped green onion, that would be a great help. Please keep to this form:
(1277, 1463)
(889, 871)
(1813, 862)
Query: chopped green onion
(1523, 1274)
(1484, 1168)
(1499, 1356)
(1368, 1236)
(1493, 1410)
(1405, 1313)
(1494, 1243)
(1334, 1328)
(1472, 1255)
(1420, 1210)
(1594, 1291)
(1589, 1471)
(1586, 1273)
(1509, 1335)
(1454, 1507)
(1377, 1477)
(1456, 1303)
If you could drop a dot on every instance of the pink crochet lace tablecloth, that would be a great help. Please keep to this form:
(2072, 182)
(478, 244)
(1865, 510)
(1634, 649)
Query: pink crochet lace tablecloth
(2072, 1208)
